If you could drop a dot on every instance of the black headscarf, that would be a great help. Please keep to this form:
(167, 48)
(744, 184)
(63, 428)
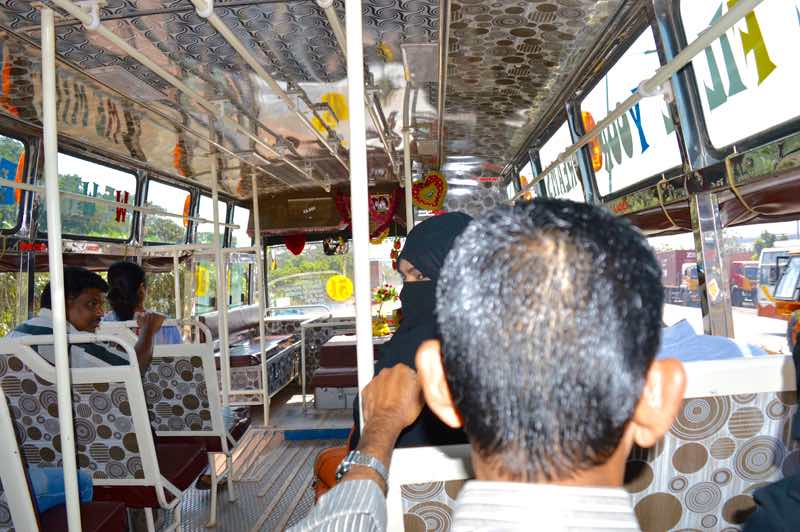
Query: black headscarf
(426, 247)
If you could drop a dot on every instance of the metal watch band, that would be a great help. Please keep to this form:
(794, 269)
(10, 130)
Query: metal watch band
(361, 459)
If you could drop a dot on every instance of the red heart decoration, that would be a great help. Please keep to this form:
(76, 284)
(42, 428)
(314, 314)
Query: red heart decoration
(429, 192)
(295, 243)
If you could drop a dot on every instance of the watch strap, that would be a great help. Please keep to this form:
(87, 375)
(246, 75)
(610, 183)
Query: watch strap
(364, 460)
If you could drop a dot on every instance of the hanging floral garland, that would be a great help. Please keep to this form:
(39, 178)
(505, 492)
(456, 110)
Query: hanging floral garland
(382, 208)
(395, 254)
(429, 192)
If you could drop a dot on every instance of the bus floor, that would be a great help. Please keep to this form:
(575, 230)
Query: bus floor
(273, 466)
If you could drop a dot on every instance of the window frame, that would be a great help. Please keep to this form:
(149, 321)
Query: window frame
(770, 134)
(26, 174)
(589, 87)
(225, 238)
(101, 161)
(174, 184)
(26, 179)
(231, 214)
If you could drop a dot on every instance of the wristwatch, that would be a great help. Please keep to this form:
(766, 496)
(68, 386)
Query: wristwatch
(361, 459)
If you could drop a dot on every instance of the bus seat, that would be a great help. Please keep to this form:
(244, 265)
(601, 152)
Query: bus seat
(18, 510)
(732, 436)
(113, 437)
(184, 410)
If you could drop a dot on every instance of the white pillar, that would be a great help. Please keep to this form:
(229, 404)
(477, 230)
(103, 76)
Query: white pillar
(52, 202)
(359, 191)
(409, 198)
(260, 268)
(222, 285)
(177, 281)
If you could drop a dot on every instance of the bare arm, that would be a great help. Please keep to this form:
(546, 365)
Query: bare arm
(149, 324)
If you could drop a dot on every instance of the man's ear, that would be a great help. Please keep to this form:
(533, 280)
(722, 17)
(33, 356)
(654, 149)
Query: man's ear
(434, 383)
(661, 401)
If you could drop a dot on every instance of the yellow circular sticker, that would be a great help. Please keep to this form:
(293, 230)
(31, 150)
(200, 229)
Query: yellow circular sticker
(339, 288)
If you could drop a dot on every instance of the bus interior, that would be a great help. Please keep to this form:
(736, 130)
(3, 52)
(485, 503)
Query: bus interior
(263, 161)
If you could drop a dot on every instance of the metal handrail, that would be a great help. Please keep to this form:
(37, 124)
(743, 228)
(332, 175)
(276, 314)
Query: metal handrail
(652, 86)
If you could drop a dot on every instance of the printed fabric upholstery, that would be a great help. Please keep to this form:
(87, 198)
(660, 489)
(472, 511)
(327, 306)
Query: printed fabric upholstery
(700, 476)
(6, 524)
(720, 449)
(105, 438)
(176, 394)
(316, 338)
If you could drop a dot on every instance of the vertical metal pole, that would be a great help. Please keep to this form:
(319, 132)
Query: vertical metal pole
(52, 201)
(591, 192)
(222, 299)
(259, 270)
(177, 280)
(712, 276)
(408, 180)
(359, 192)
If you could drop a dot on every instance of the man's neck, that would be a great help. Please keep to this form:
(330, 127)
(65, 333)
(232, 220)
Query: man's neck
(610, 474)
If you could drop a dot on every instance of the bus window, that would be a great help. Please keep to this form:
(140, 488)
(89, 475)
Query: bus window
(525, 177)
(9, 302)
(205, 286)
(564, 181)
(752, 256)
(239, 237)
(171, 199)
(752, 66)
(238, 284)
(12, 167)
(301, 279)
(678, 260)
(205, 231)
(787, 285)
(161, 291)
(82, 218)
(642, 142)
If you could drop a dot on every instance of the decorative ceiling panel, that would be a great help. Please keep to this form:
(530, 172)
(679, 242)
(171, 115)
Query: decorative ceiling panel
(507, 61)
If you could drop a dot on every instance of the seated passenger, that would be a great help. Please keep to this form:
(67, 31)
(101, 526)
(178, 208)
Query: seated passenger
(419, 263)
(84, 294)
(126, 295)
(550, 314)
(682, 342)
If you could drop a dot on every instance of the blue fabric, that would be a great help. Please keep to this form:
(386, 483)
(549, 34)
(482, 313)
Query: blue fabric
(682, 342)
(48, 486)
(228, 417)
(166, 335)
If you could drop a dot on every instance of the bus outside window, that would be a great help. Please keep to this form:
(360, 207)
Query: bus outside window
(525, 177)
(205, 230)
(564, 181)
(752, 66)
(678, 259)
(12, 168)
(642, 142)
(87, 219)
(301, 279)
(171, 199)
(239, 237)
(752, 258)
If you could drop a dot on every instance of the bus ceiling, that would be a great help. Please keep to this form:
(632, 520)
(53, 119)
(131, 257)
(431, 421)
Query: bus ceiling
(263, 84)
(266, 82)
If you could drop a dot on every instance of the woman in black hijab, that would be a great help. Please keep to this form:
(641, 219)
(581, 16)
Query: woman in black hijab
(419, 264)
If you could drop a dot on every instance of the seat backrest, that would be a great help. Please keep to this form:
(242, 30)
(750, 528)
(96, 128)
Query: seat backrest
(241, 321)
(112, 432)
(731, 437)
(175, 384)
(17, 511)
